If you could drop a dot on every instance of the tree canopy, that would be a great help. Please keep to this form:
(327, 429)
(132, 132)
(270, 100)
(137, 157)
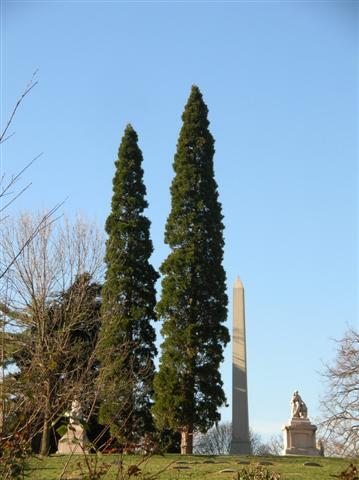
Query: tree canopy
(193, 305)
(126, 347)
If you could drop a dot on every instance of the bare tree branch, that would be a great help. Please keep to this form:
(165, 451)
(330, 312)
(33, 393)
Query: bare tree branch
(49, 285)
(339, 425)
(44, 222)
(26, 91)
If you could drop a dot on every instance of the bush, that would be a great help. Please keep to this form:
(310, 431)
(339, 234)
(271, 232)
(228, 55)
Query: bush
(257, 473)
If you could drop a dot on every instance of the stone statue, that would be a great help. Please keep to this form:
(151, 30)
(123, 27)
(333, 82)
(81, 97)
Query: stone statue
(300, 433)
(299, 408)
(75, 413)
(75, 441)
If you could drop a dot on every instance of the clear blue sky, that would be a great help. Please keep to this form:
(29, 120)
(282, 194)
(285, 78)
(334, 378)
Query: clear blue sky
(281, 83)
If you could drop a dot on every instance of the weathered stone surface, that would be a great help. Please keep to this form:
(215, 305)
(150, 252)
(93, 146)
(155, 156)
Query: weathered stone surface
(75, 441)
(299, 434)
(299, 408)
(240, 424)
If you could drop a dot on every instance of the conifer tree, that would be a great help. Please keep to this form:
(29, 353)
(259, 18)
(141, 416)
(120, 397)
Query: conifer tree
(126, 348)
(193, 305)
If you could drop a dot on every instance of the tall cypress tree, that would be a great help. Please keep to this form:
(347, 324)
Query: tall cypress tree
(126, 347)
(188, 387)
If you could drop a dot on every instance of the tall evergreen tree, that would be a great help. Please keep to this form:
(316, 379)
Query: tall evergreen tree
(188, 387)
(126, 347)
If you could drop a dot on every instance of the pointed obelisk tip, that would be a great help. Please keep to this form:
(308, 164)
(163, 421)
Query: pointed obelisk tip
(238, 283)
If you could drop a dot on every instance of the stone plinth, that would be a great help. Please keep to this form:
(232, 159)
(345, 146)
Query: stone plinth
(299, 438)
(75, 441)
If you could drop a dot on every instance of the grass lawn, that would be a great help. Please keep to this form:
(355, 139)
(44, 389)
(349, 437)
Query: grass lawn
(192, 467)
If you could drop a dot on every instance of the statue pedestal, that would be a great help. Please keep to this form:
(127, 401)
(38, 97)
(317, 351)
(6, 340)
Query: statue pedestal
(299, 438)
(74, 442)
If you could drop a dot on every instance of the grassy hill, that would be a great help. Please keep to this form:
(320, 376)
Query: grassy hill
(195, 467)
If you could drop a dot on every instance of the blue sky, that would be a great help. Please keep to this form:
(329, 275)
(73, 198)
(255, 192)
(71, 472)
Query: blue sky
(281, 83)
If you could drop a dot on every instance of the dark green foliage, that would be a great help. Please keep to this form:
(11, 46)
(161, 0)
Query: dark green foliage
(72, 322)
(169, 441)
(50, 359)
(126, 348)
(188, 387)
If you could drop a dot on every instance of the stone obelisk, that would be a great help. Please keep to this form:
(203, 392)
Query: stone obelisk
(240, 425)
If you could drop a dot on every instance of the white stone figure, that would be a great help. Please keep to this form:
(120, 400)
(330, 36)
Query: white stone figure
(75, 441)
(75, 413)
(300, 433)
(299, 408)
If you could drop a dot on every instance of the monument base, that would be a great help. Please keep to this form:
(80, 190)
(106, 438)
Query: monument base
(74, 442)
(299, 438)
(240, 447)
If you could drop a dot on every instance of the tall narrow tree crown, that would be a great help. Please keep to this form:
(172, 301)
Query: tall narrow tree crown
(127, 338)
(188, 387)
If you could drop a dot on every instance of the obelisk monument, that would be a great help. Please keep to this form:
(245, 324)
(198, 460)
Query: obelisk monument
(240, 425)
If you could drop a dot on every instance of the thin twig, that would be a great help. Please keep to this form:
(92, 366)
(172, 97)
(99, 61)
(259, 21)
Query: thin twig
(28, 88)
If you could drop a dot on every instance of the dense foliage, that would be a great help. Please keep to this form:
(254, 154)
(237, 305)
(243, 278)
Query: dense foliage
(193, 305)
(126, 347)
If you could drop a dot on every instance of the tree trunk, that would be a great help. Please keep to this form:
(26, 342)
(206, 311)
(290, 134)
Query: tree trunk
(187, 441)
(45, 437)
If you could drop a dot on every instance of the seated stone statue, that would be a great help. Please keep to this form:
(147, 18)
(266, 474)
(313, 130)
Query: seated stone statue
(300, 433)
(299, 408)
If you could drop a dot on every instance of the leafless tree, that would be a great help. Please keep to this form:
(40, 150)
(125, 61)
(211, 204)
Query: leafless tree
(274, 446)
(60, 261)
(340, 406)
(11, 188)
(217, 441)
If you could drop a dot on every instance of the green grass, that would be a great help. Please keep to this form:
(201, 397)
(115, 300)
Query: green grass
(193, 467)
